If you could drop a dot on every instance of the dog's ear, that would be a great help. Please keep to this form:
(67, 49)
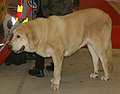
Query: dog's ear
(32, 39)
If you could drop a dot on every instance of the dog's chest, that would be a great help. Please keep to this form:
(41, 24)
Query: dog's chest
(44, 52)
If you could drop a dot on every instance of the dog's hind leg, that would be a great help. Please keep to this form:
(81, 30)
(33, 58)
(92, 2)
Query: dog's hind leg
(109, 56)
(105, 55)
(106, 59)
(95, 61)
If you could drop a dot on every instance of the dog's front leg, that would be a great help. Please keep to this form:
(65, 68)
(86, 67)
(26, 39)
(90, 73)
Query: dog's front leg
(57, 59)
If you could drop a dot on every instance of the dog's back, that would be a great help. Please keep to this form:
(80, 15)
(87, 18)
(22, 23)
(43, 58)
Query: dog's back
(85, 25)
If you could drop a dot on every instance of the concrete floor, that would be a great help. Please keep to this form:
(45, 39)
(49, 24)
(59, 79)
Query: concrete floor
(75, 77)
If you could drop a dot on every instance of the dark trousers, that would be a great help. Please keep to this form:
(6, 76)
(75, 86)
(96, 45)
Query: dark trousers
(39, 64)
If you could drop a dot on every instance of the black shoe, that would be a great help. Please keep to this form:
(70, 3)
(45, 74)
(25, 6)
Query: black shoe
(50, 67)
(36, 72)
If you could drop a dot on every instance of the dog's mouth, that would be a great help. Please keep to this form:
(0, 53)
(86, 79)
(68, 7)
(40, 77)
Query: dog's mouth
(21, 49)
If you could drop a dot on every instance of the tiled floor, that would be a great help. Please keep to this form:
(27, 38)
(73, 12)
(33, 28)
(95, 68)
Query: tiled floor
(75, 77)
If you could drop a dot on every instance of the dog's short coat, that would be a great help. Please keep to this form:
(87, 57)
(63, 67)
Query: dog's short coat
(59, 36)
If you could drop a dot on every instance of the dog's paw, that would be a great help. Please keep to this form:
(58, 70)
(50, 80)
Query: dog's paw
(55, 87)
(103, 78)
(94, 75)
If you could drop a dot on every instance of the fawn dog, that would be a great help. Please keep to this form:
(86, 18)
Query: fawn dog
(59, 36)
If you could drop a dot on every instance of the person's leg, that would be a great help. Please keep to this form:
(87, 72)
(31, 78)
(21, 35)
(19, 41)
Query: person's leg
(38, 70)
(39, 62)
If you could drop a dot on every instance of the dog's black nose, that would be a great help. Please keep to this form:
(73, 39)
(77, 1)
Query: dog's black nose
(10, 47)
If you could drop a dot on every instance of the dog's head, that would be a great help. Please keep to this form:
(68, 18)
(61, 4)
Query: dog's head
(24, 39)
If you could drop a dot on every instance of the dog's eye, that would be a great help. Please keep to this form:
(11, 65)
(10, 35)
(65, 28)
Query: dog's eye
(18, 36)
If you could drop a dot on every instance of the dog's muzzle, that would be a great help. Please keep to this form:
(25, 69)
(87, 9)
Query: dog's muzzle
(19, 51)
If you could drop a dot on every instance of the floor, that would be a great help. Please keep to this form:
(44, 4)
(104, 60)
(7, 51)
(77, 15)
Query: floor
(75, 77)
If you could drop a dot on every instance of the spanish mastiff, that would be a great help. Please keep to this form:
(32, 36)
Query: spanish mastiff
(59, 36)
